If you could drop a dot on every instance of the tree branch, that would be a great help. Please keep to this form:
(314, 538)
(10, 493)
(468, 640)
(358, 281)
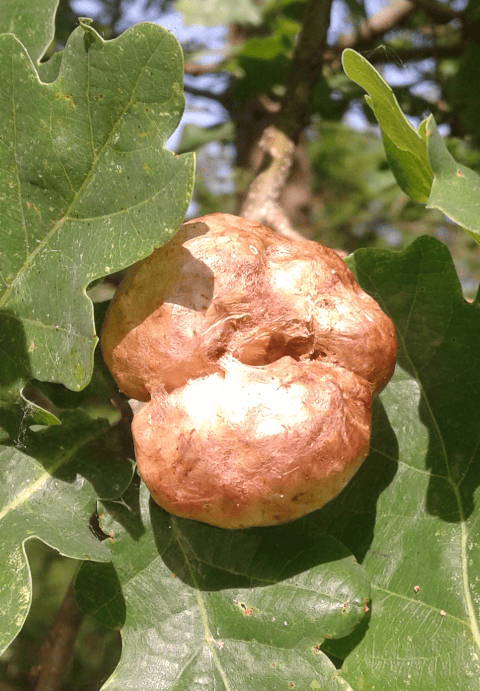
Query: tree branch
(56, 649)
(439, 12)
(203, 93)
(261, 201)
(366, 33)
(279, 140)
(375, 26)
(412, 54)
(305, 69)
(196, 70)
(388, 18)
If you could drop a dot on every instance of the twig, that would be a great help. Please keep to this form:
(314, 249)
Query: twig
(412, 54)
(196, 69)
(305, 69)
(438, 11)
(279, 140)
(367, 31)
(261, 201)
(203, 93)
(376, 25)
(56, 650)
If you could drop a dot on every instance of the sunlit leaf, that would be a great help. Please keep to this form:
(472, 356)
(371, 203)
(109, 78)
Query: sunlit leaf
(411, 515)
(455, 188)
(404, 146)
(86, 189)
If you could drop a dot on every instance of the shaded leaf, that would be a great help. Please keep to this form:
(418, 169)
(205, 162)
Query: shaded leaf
(229, 609)
(49, 482)
(194, 137)
(96, 398)
(261, 63)
(455, 188)
(404, 146)
(419, 540)
(87, 188)
(14, 372)
(37, 408)
(258, 75)
(40, 402)
(98, 592)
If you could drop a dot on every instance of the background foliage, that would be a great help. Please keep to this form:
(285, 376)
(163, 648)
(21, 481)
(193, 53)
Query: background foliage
(380, 589)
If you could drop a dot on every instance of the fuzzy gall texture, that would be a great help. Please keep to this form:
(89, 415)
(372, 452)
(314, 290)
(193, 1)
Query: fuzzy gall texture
(258, 357)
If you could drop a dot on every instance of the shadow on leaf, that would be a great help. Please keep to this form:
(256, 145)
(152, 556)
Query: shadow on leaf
(127, 510)
(449, 383)
(14, 360)
(14, 372)
(351, 516)
(210, 558)
(439, 347)
(448, 408)
(98, 592)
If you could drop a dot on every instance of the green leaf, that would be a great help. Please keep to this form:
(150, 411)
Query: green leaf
(194, 137)
(49, 482)
(218, 12)
(409, 173)
(265, 48)
(455, 188)
(411, 515)
(96, 398)
(40, 402)
(32, 23)
(243, 609)
(404, 146)
(87, 188)
(98, 592)
(38, 411)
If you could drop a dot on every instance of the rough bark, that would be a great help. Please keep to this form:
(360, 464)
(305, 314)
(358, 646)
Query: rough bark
(56, 649)
(279, 140)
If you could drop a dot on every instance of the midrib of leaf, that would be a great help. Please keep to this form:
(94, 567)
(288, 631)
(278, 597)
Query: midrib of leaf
(466, 588)
(201, 606)
(474, 625)
(40, 246)
(32, 488)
